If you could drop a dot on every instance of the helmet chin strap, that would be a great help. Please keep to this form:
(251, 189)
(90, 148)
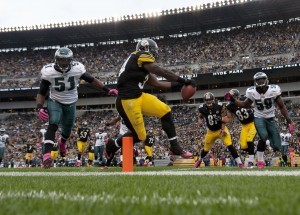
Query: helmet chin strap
(262, 89)
(58, 68)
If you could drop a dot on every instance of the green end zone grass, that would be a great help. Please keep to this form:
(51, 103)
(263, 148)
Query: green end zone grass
(150, 191)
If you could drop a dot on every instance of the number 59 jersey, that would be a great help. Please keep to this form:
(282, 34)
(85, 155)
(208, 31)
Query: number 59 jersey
(63, 86)
(264, 104)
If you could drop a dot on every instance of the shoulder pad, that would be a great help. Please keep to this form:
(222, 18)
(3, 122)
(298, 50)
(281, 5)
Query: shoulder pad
(250, 89)
(275, 89)
(201, 106)
(145, 57)
(228, 104)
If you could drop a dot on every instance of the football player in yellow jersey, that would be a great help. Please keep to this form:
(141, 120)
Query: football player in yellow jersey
(148, 145)
(138, 70)
(29, 147)
(248, 132)
(213, 113)
(54, 154)
(82, 143)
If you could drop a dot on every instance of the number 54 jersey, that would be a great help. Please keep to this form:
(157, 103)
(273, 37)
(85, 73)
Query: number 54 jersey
(264, 104)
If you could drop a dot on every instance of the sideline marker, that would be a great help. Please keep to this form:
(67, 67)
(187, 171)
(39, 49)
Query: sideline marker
(127, 152)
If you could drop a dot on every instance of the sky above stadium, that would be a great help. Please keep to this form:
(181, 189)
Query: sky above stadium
(15, 13)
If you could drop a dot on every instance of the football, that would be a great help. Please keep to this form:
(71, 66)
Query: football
(187, 91)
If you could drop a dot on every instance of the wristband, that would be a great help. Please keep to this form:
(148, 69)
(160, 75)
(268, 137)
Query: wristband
(106, 89)
(180, 80)
(39, 106)
(176, 85)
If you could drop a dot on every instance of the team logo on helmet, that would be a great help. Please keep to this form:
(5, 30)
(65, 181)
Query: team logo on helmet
(260, 79)
(148, 45)
(63, 58)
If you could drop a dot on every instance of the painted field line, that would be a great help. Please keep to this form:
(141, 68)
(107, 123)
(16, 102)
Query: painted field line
(157, 173)
(111, 198)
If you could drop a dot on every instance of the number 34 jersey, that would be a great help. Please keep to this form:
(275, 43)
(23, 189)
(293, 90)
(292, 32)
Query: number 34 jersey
(63, 86)
(264, 104)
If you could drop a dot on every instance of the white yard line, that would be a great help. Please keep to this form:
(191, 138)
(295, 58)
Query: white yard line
(108, 198)
(157, 173)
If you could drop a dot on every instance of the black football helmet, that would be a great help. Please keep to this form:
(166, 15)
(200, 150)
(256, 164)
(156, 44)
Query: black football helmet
(148, 45)
(84, 123)
(209, 99)
(63, 58)
(235, 93)
(260, 79)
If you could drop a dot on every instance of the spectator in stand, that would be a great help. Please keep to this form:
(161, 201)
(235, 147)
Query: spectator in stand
(61, 79)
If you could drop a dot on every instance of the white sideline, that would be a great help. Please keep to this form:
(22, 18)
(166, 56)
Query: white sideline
(158, 173)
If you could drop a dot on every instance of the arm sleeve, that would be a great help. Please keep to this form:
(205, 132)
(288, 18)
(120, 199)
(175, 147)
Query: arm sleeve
(44, 87)
(87, 77)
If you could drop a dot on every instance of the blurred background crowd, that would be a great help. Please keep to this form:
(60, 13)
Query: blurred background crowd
(240, 48)
(25, 128)
(253, 47)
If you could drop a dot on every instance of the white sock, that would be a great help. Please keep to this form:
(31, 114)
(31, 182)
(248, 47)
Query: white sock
(238, 160)
(251, 158)
(260, 156)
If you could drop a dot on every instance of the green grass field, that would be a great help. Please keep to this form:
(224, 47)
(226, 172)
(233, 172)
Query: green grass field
(150, 191)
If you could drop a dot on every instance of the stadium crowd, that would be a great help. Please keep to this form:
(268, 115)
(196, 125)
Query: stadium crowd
(25, 127)
(239, 48)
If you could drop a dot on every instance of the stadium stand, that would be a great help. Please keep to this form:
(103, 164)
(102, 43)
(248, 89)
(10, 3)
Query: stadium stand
(218, 50)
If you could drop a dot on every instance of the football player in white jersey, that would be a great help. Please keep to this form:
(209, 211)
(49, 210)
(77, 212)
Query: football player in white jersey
(61, 79)
(264, 97)
(4, 139)
(285, 142)
(41, 135)
(101, 139)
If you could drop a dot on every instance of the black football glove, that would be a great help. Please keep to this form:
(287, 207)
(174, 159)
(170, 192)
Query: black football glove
(190, 82)
(186, 81)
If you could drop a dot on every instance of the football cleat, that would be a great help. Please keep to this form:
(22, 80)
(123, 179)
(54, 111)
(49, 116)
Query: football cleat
(197, 164)
(250, 165)
(260, 164)
(47, 160)
(182, 154)
(241, 165)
